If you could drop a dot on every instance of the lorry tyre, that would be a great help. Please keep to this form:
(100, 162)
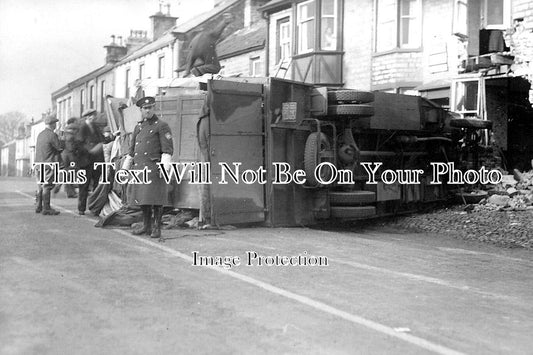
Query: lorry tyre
(312, 159)
(353, 212)
(355, 96)
(351, 110)
(351, 198)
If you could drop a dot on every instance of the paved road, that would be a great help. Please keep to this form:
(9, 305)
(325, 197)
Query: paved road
(68, 287)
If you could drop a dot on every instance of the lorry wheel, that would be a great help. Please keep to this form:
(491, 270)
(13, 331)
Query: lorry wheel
(351, 110)
(351, 198)
(312, 157)
(355, 96)
(353, 212)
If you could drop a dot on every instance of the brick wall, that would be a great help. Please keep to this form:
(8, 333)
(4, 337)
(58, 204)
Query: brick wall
(241, 64)
(520, 38)
(397, 70)
(523, 9)
(358, 36)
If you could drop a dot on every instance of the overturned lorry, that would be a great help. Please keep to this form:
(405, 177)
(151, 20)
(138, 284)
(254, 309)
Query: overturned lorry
(285, 153)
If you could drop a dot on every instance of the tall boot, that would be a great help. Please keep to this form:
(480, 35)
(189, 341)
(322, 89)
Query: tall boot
(147, 221)
(156, 228)
(47, 210)
(39, 200)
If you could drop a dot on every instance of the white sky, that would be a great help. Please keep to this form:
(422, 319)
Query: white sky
(45, 44)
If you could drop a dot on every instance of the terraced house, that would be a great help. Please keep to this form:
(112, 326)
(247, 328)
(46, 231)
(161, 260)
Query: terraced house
(471, 56)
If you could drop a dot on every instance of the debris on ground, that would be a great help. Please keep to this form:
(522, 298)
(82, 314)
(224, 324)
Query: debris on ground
(513, 193)
(504, 228)
(504, 217)
(178, 220)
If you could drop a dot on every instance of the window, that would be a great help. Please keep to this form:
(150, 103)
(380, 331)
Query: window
(161, 67)
(141, 71)
(82, 101)
(398, 24)
(91, 96)
(306, 26)
(283, 50)
(102, 95)
(496, 14)
(460, 17)
(466, 97)
(256, 67)
(313, 39)
(127, 83)
(328, 25)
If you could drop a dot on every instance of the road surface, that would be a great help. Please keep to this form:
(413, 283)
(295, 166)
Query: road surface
(67, 287)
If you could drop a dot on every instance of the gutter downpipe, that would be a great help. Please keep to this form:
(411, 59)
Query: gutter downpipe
(266, 16)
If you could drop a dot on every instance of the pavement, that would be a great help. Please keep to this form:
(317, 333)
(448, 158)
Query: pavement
(68, 287)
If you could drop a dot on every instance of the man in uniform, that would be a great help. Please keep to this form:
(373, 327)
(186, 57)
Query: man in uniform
(151, 143)
(47, 150)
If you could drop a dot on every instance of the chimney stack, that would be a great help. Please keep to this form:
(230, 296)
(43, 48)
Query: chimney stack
(114, 51)
(162, 22)
(136, 40)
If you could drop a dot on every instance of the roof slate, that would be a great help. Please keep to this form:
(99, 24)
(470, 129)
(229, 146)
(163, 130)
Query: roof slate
(244, 40)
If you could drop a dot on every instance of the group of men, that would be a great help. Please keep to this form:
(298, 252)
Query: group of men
(83, 145)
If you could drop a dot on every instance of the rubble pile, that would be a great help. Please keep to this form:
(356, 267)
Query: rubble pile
(503, 218)
(510, 229)
(514, 193)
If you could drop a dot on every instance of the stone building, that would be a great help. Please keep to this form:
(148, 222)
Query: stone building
(471, 56)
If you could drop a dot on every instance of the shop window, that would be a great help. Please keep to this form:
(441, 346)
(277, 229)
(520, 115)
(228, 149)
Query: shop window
(398, 24)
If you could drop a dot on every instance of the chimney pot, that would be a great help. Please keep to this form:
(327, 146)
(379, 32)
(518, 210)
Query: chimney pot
(120, 41)
(168, 9)
(112, 39)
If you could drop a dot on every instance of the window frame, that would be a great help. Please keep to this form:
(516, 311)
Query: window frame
(398, 45)
(299, 24)
(102, 95)
(280, 41)
(335, 17)
(506, 16)
(91, 96)
(82, 101)
(460, 18)
(127, 81)
(253, 62)
(161, 66)
(141, 70)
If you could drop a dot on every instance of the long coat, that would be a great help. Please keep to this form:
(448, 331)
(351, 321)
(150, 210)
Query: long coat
(91, 145)
(150, 139)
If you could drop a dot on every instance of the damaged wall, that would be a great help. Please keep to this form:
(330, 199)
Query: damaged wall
(521, 42)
